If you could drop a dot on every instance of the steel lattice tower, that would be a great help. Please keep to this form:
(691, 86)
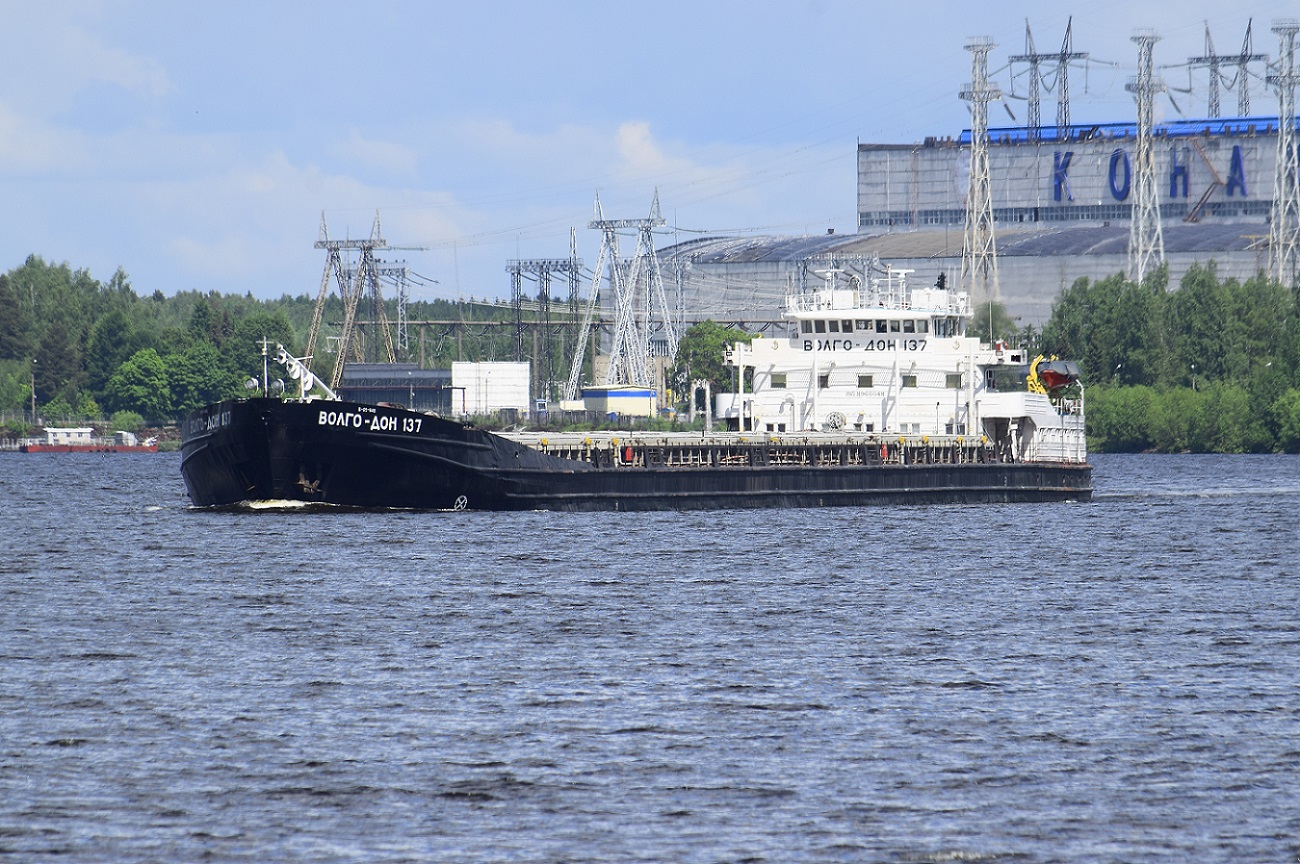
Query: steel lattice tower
(1243, 75)
(1213, 61)
(1062, 58)
(354, 282)
(1146, 244)
(1063, 79)
(364, 280)
(1033, 58)
(1284, 230)
(979, 261)
(541, 269)
(638, 289)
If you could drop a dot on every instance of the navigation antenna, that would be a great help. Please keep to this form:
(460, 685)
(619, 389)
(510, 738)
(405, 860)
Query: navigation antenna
(1146, 245)
(1284, 228)
(979, 262)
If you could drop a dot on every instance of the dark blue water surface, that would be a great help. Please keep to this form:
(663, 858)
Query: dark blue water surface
(1116, 681)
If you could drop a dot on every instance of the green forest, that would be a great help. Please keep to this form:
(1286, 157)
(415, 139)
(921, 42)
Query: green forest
(79, 349)
(1209, 366)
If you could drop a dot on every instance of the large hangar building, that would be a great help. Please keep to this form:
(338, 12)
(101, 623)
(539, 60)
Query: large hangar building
(1061, 201)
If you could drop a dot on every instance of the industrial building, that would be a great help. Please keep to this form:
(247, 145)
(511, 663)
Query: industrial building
(1061, 208)
(1049, 204)
(465, 390)
(1013, 214)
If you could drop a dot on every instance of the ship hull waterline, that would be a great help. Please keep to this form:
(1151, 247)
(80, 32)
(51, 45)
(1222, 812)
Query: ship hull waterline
(372, 457)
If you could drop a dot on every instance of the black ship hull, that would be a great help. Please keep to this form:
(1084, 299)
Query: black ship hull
(368, 456)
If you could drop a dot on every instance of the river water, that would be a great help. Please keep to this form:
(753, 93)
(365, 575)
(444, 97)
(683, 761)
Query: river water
(1116, 681)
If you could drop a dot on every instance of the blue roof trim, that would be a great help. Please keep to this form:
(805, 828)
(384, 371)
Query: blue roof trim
(1212, 126)
(616, 393)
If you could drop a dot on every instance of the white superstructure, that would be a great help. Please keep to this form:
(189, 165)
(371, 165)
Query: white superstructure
(884, 359)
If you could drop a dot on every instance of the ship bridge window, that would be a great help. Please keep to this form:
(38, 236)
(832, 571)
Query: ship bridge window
(882, 326)
(923, 326)
(805, 326)
(819, 325)
(833, 326)
(895, 325)
(944, 327)
(846, 326)
(864, 325)
(909, 326)
(1006, 378)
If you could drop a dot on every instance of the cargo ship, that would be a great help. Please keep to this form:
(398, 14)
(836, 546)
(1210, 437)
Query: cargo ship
(869, 394)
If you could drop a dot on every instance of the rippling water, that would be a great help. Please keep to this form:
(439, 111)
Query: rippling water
(1114, 681)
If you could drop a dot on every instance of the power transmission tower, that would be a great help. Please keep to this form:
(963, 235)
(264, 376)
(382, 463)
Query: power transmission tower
(629, 355)
(1243, 73)
(1284, 230)
(1033, 58)
(397, 275)
(1212, 61)
(608, 249)
(575, 283)
(1146, 244)
(1063, 78)
(1209, 60)
(353, 282)
(517, 305)
(400, 274)
(1063, 59)
(646, 279)
(334, 268)
(638, 289)
(979, 261)
(541, 269)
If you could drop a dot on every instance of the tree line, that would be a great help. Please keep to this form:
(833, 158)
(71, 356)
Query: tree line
(1210, 366)
(78, 348)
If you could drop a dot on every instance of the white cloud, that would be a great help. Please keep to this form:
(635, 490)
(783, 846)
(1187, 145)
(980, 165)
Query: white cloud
(87, 55)
(48, 57)
(28, 145)
(381, 155)
(260, 220)
(639, 151)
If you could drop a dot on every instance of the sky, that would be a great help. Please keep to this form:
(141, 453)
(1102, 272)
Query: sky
(197, 146)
